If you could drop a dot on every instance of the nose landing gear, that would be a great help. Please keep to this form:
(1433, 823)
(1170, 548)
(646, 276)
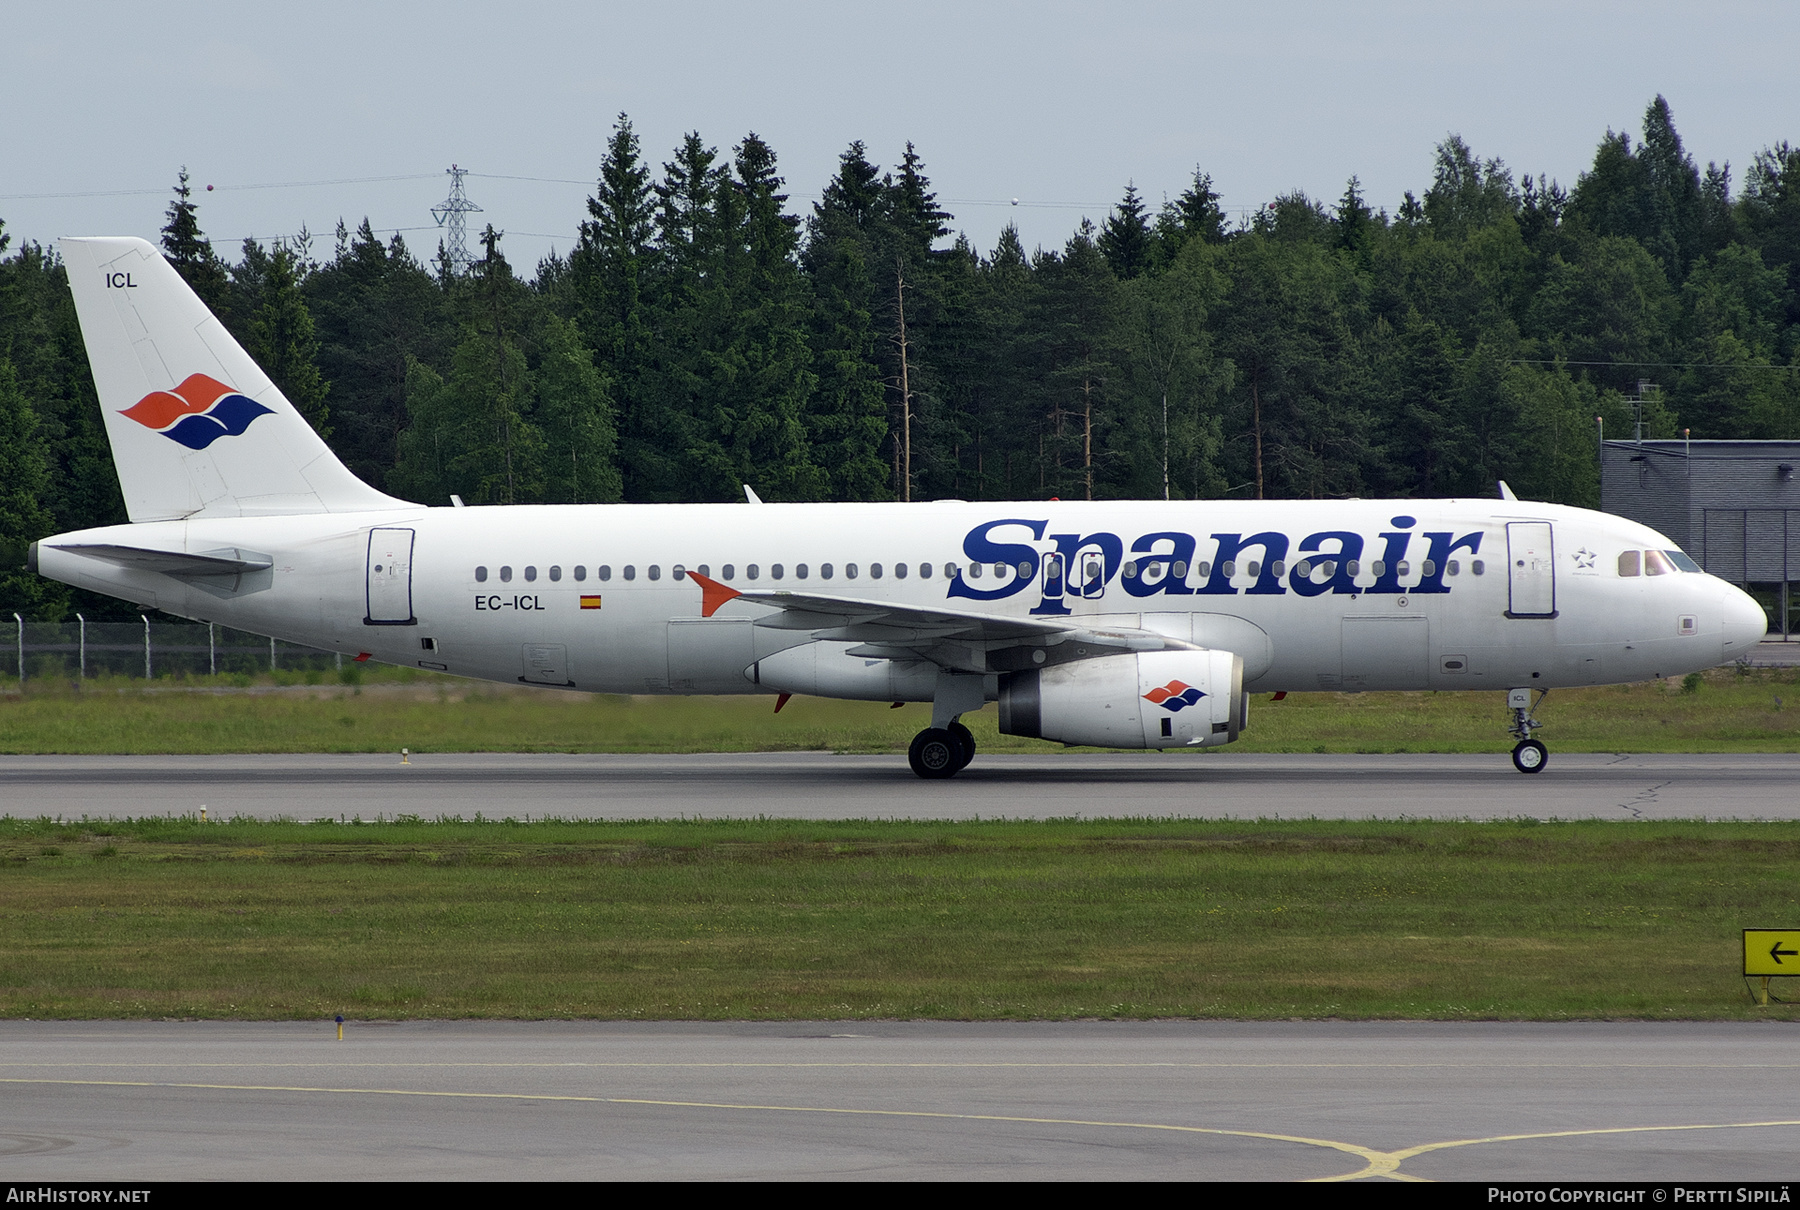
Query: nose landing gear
(1528, 755)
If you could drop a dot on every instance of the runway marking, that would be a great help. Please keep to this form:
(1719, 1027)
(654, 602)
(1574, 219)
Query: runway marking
(1378, 1163)
(1351, 1148)
(1387, 1163)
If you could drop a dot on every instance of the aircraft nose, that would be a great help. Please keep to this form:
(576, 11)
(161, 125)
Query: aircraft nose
(1745, 623)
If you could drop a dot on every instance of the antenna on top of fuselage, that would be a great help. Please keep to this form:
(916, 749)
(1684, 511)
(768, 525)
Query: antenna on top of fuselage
(750, 496)
(1506, 493)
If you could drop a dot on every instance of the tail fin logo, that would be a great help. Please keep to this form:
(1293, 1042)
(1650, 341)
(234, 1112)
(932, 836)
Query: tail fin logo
(197, 413)
(1174, 697)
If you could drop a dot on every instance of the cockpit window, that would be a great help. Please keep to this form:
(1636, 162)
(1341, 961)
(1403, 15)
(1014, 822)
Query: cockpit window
(1628, 563)
(1657, 564)
(1682, 561)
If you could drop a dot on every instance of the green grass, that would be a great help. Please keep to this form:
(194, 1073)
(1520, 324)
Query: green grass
(783, 919)
(1724, 711)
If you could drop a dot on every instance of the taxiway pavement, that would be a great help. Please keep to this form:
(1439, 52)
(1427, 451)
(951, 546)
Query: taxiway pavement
(83, 1101)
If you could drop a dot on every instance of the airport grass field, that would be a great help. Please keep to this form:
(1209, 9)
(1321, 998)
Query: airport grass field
(778, 919)
(1727, 710)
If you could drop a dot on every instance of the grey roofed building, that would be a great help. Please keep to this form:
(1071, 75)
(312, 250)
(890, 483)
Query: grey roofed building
(1734, 506)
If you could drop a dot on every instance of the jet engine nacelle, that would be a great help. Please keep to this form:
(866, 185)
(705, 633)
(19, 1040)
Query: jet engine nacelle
(1153, 699)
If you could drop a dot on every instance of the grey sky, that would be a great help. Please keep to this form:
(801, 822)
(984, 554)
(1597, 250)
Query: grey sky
(1055, 104)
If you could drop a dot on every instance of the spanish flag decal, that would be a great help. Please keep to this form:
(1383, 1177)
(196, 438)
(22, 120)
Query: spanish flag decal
(590, 602)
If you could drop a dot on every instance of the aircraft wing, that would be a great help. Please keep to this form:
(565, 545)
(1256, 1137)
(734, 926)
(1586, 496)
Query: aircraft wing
(953, 638)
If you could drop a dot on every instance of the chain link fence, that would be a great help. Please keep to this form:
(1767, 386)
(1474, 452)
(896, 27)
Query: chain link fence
(77, 650)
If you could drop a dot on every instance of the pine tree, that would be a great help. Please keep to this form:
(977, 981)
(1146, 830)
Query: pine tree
(24, 479)
(574, 413)
(1353, 218)
(847, 416)
(1124, 238)
(1195, 214)
(1674, 185)
(374, 307)
(1467, 192)
(613, 274)
(189, 250)
(282, 337)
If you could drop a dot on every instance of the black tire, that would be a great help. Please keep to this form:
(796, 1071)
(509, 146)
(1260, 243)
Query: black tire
(935, 753)
(965, 737)
(1529, 756)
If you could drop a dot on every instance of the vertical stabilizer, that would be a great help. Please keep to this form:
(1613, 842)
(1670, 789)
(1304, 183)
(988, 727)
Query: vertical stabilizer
(197, 429)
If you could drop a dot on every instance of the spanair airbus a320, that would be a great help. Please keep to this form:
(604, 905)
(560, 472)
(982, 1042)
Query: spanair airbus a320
(1119, 624)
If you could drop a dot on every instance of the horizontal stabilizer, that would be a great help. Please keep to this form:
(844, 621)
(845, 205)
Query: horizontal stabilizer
(228, 562)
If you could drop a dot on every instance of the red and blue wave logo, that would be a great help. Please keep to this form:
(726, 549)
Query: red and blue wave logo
(1174, 697)
(198, 412)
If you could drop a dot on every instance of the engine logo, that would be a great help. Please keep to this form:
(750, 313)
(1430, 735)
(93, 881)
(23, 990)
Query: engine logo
(1174, 696)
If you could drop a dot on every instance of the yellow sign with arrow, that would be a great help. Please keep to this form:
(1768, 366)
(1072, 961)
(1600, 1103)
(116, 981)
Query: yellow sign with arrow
(1772, 952)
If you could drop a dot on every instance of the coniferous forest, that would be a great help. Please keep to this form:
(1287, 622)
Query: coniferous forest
(700, 336)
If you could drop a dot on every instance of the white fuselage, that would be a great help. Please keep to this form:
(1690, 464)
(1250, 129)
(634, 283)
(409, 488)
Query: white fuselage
(1444, 594)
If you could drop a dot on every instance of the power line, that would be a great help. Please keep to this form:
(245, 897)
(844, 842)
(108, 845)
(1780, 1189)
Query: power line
(349, 180)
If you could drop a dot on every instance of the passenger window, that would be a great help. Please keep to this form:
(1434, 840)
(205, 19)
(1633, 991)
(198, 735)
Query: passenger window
(751, 572)
(849, 571)
(1378, 567)
(824, 571)
(580, 572)
(1454, 567)
(1303, 569)
(1628, 563)
(530, 574)
(1330, 568)
(1401, 570)
(506, 575)
(900, 571)
(555, 573)
(949, 570)
(655, 571)
(704, 570)
(925, 570)
(1278, 568)
(1255, 568)
(775, 571)
(974, 571)
(481, 575)
(1657, 564)
(603, 571)
(1204, 568)
(728, 571)
(1024, 569)
(874, 571)
(1428, 569)
(1353, 568)
(1228, 568)
(678, 571)
(800, 571)
(1477, 567)
(1179, 570)
(630, 572)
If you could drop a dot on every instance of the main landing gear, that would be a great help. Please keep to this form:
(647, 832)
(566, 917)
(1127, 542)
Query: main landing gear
(945, 748)
(1528, 755)
(941, 751)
